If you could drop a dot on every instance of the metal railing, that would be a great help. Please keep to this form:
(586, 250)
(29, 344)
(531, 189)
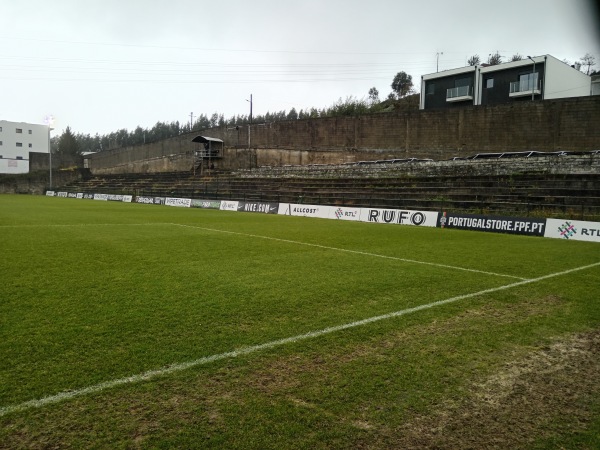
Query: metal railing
(461, 91)
(524, 86)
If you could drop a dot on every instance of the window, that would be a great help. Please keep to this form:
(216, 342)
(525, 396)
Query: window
(19, 157)
(29, 131)
(462, 82)
(19, 144)
(489, 83)
(0, 128)
(29, 145)
(19, 130)
(528, 81)
(430, 89)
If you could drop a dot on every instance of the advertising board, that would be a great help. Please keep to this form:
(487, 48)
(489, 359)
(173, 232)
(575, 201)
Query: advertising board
(400, 217)
(293, 209)
(206, 204)
(576, 230)
(257, 207)
(229, 206)
(494, 224)
(180, 202)
(344, 213)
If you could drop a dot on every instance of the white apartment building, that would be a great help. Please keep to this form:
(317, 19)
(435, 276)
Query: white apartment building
(17, 139)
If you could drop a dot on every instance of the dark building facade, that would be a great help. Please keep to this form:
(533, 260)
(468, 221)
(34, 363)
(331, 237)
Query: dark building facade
(534, 78)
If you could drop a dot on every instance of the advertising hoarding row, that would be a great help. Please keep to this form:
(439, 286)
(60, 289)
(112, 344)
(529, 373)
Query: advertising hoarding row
(527, 226)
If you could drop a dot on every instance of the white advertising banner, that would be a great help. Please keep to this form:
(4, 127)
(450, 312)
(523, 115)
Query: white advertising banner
(102, 197)
(344, 213)
(50, 193)
(229, 206)
(399, 217)
(181, 202)
(576, 230)
(292, 209)
(127, 198)
(80, 195)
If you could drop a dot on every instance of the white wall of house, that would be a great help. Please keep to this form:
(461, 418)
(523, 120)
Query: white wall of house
(17, 139)
(563, 80)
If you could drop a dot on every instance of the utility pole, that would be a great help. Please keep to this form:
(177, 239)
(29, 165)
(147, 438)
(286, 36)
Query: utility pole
(191, 120)
(437, 64)
(250, 123)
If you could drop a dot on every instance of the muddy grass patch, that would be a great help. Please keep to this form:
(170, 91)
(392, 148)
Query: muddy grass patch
(547, 395)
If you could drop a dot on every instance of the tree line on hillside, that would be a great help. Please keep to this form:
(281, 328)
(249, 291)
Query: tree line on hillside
(402, 96)
(399, 98)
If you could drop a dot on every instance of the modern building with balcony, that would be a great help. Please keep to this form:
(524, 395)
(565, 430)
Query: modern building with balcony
(532, 78)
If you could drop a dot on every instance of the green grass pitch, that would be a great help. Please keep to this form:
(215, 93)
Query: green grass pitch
(495, 341)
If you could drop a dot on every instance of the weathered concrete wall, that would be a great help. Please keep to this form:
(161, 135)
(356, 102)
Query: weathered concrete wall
(36, 182)
(566, 124)
(572, 164)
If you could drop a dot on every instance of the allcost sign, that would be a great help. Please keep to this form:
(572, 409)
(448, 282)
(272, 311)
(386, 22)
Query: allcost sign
(493, 224)
(293, 209)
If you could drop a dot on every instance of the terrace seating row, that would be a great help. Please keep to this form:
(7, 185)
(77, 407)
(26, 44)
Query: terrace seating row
(515, 194)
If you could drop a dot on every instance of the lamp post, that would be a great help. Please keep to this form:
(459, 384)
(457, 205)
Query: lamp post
(532, 78)
(49, 120)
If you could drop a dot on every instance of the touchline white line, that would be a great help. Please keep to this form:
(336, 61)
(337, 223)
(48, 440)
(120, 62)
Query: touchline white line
(66, 395)
(357, 252)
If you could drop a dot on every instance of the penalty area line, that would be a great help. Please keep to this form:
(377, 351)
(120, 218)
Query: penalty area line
(356, 252)
(66, 395)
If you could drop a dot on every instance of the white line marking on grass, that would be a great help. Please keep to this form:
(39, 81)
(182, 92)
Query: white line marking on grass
(66, 395)
(214, 230)
(59, 225)
(357, 252)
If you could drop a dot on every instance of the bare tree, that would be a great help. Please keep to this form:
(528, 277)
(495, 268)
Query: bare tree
(516, 57)
(588, 60)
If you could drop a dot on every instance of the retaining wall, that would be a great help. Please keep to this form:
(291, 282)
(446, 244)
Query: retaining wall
(550, 125)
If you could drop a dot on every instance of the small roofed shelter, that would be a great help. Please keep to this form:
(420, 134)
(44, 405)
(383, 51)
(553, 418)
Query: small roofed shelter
(208, 149)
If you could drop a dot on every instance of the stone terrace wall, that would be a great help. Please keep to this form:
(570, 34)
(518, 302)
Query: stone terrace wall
(551, 125)
(571, 164)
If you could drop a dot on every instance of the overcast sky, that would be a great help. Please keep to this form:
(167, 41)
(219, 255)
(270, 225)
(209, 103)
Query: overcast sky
(102, 65)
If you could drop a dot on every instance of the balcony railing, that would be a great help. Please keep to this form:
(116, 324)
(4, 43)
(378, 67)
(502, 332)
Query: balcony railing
(524, 87)
(459, 93)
